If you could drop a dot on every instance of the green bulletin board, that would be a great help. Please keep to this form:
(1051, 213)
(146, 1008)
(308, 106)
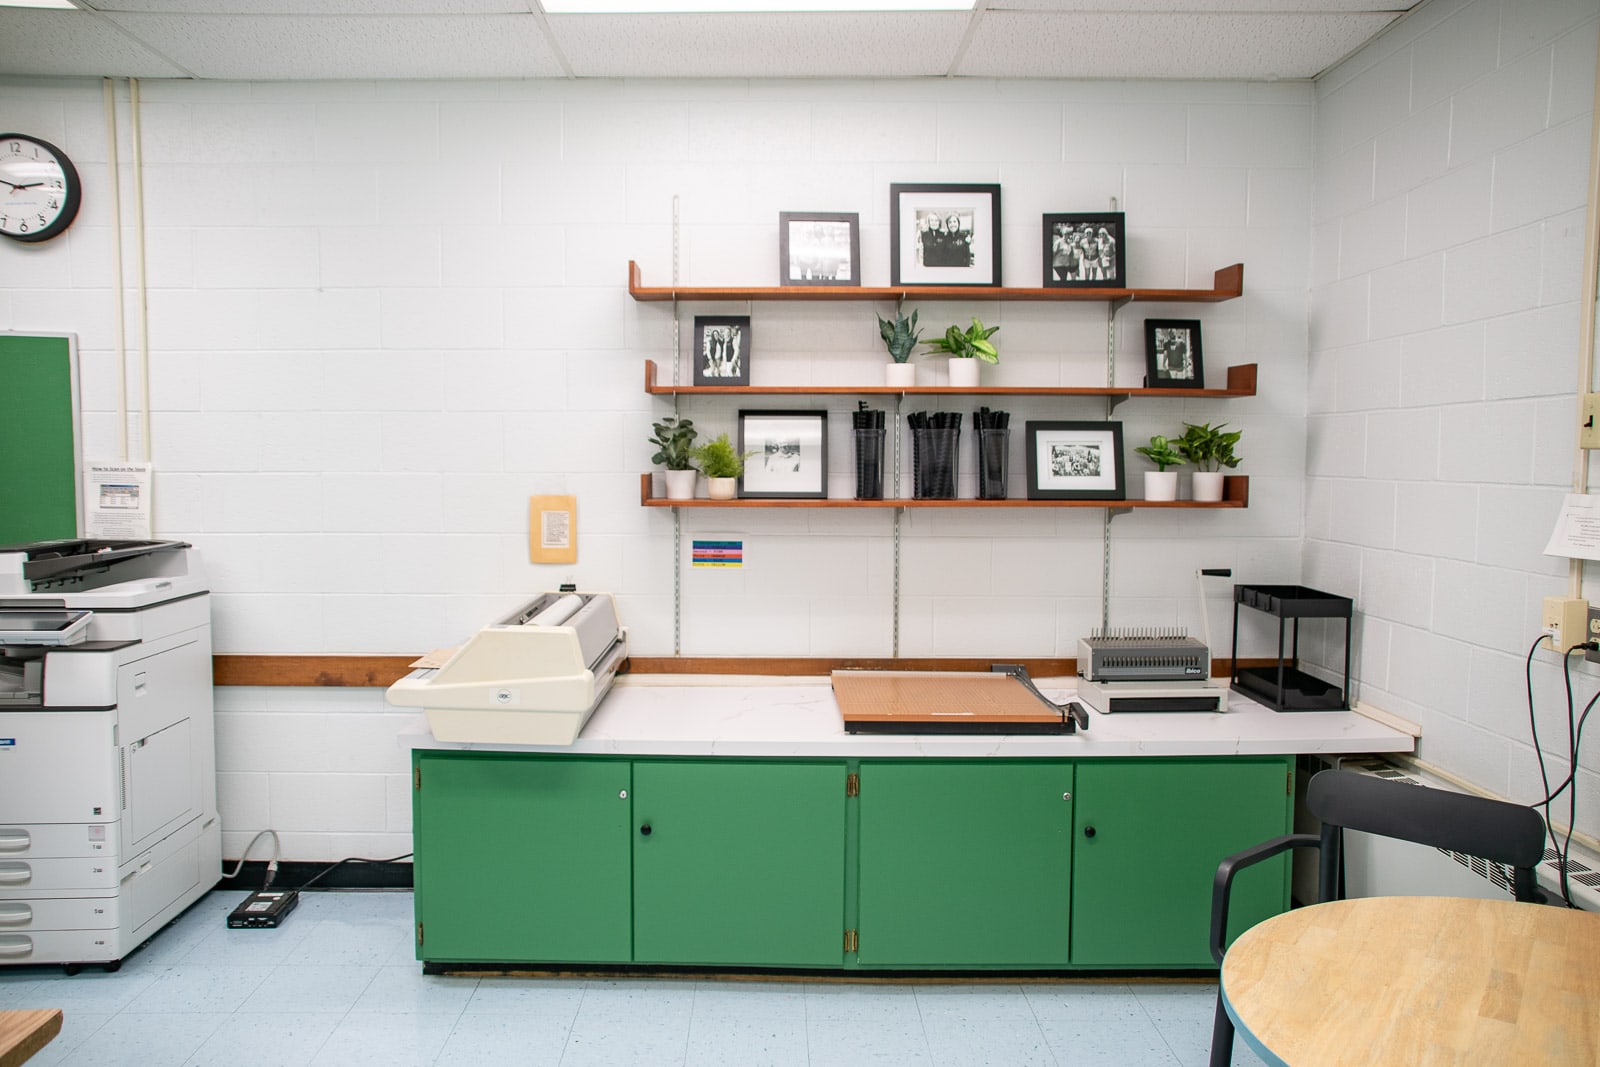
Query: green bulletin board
(38, 437)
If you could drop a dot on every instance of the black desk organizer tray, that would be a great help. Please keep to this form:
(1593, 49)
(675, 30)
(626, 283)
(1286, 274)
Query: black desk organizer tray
(1284, 687)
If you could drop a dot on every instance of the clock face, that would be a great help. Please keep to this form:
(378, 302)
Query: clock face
(39, 191)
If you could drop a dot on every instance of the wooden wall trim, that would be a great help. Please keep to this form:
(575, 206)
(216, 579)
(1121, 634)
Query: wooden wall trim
(344, 671)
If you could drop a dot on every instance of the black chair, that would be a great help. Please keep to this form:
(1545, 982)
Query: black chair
(1493, 830)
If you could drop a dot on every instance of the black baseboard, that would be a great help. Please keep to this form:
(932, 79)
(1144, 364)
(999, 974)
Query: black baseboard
(293, 875)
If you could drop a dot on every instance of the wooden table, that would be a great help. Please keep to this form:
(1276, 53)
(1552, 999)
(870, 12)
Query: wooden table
(22, 1033)
(1418, 980)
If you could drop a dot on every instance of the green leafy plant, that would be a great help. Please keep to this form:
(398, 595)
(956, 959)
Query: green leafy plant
(717, 458)
(674, 441)
(1160, 452)
(971, 343)
(900, 336)
(1207, 447)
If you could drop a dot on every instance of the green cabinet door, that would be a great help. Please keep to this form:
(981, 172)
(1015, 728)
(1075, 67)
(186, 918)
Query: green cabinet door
(1149, 836)
(965, 863)
(739, 862)
(521, 858)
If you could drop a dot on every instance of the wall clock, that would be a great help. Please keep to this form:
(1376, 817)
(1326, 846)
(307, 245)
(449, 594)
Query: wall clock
(39, 188)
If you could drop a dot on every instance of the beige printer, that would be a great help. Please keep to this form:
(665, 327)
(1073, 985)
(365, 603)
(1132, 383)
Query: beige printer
(533, 678)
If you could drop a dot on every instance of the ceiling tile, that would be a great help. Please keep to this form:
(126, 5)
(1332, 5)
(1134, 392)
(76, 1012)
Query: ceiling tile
(314, 7)
(882, 44)
(1018, 44)
(1308, 7)
(66, 43)
(274, 47)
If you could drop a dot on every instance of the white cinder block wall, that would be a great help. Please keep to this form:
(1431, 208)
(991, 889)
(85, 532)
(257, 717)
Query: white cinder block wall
(383, 314)
(1451, 164)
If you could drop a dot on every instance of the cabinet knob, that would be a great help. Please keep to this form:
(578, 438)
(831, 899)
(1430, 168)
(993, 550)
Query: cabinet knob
(623, 795)
(1066, 796)
(1088, 831)
(644, 831)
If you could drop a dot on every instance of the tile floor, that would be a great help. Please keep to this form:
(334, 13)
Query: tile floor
(338, 985)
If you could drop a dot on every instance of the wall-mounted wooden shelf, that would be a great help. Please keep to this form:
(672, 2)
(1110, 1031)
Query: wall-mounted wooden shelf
(1235, 494)
(1227, 284)
(1241, 382)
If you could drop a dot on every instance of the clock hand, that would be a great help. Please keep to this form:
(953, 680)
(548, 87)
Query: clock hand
(14, 185)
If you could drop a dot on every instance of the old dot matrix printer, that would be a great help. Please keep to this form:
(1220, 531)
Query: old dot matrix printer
(531, 678)
(108, 803)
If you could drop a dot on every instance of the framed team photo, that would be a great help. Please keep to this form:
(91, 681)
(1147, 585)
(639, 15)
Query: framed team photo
(1075, 461)
(819, 248)
(1172, 354)
(944, 234)
(722, 350)
(1085, 251)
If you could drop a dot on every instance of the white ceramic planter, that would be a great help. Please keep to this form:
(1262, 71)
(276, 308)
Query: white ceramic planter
(964, 373)
(722, 488)
(1161, 485)
(900, 375)
(680, 484)
(1208, 485)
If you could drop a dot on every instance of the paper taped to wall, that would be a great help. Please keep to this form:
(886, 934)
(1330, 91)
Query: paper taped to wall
(1577, 531)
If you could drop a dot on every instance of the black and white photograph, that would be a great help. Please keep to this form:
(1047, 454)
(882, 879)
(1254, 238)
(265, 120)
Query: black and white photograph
(1172, 354)
(787, 454)
(944, 234)
(722, 350)
(1085, 251)
(1075, 461)
(819, 248)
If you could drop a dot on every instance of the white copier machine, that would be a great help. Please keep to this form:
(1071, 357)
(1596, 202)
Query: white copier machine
(108, 794)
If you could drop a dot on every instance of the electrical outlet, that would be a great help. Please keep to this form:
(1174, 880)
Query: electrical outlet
(1569, 618)
(1594, 634)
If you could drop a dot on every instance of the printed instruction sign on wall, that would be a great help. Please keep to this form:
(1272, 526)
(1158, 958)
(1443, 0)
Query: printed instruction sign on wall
(553, 529)
(718, 553)
(116, 503)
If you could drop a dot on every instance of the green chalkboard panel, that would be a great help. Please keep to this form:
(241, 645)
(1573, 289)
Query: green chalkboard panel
(38, 438)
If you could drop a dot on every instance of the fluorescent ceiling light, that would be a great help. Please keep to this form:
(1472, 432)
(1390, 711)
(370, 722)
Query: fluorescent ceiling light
(674, 7)
(65, 5)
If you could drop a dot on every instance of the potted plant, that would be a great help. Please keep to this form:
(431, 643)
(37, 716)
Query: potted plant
(1160, 484)
(900, 336)
(722, 464)
(965, 348)
(1209, 449)
(674, 441)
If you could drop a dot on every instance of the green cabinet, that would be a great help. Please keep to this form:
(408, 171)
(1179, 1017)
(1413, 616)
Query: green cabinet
(938, 864)
(1149, 835)
(965, 863)
(743, 863)
(522, 858)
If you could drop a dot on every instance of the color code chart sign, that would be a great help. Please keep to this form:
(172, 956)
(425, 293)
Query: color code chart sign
(718, 553)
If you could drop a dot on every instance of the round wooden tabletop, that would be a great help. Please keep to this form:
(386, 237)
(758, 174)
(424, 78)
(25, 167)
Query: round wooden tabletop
(1418, 980)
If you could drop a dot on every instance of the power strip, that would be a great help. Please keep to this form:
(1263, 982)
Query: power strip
(263, 910)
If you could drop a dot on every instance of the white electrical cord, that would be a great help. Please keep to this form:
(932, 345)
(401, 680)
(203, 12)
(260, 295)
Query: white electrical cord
(272, 864)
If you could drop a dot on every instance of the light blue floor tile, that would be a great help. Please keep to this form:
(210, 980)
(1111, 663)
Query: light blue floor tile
(90, 991)
(405, 988)
(385, 1040)
(493, 1038)
(849, 1043)
(1084, 1001)
(998, 1043)
(225, 946)
(975, 1003)
(733, 999)
(558, 997)
(76, 1027)
(601, 1040)
(884, 1005)
(196, 987)
(751, 1039)
(345, 941)
(294, 988)
(638, 998)
(1108, 1044)
(135, 1039)
(291, 1039)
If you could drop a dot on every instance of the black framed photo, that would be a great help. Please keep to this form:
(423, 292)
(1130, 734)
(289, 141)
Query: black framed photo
(1085, 251)
(819, 248)
(1075, 461)
(722, 350)
(1172, 354)
(944, 234)
(786, 454)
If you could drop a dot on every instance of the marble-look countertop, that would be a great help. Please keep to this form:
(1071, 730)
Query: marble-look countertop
(708, 715)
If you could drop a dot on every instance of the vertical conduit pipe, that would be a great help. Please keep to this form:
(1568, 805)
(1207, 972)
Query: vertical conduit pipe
(109, 96)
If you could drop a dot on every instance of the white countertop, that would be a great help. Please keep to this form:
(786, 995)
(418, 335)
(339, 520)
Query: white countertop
(705, 715)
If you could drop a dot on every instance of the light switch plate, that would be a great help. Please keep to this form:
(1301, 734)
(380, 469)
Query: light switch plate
(1589, 422)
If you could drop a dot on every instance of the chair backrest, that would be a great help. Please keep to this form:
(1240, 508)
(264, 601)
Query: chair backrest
(1494, 830)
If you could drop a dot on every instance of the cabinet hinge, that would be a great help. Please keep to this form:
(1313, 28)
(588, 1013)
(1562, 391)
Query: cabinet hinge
(852, 785)
(1288, 784)
(852, 942)
(416, 779)
(419, 933)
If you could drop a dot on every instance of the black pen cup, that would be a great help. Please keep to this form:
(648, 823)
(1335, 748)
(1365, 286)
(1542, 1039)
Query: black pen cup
(869, 463)
(933, 462)
(993, 446)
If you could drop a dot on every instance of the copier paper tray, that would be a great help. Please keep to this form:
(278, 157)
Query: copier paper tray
(533, 678)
